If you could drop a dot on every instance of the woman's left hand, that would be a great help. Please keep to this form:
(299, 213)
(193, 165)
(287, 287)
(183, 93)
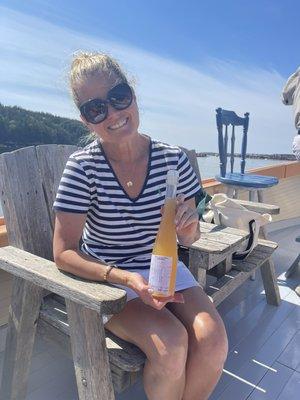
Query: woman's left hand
(186, 220)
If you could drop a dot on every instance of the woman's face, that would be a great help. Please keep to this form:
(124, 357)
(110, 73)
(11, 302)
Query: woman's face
(119, 125)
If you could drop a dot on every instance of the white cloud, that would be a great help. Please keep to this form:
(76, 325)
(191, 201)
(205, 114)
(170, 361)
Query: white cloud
(177, 101)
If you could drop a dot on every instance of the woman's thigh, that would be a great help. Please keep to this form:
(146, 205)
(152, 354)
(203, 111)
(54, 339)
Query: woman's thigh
(198, 314)
(155, 332)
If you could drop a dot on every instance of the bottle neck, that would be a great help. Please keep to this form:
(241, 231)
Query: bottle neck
(170, 191)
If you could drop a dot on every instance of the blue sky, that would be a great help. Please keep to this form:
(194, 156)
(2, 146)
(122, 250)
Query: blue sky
(187, 58)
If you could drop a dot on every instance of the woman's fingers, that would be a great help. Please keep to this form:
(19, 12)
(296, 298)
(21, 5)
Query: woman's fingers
(185, 217)
(159, 304)
(178, 298)
(180, 198)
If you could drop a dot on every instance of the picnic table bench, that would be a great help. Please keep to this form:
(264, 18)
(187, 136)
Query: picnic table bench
(61, 306)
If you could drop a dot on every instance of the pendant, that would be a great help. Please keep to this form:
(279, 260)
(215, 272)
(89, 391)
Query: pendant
(129, 183)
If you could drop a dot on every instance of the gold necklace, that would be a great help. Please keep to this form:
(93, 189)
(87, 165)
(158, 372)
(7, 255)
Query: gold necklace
(129, 183)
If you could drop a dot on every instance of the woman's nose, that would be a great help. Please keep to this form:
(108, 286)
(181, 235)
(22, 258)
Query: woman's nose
(110, 110)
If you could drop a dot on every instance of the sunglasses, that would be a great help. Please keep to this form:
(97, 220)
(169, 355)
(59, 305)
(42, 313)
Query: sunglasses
(95, 110)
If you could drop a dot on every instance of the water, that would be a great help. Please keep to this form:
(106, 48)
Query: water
(209, 166)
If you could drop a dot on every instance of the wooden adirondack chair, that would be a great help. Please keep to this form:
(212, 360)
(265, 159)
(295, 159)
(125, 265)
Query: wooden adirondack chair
(58, 304)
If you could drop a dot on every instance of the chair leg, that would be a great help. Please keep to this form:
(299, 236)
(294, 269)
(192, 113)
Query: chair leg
(253, 195)
(230, 192)
(24, 310)
(90, 354)
(260, 196)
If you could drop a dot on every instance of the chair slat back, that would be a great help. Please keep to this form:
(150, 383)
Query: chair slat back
(29, 179)
(52, 160)
(225, 118)
(192, 156)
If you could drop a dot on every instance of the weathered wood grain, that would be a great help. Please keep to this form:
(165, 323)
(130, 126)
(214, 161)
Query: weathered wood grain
(23, 203)
(226, 285)
(192, 156)
(51, 159)
(90, 355)
(270, 283)
(121, 353)
(23, 315)
(197, 266)
(98, 296)
(53, 336)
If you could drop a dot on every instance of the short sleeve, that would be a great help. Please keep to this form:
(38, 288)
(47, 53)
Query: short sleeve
(73, 193)
(188, 182)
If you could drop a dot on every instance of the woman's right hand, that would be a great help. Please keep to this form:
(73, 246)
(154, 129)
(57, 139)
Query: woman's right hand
(139, 284)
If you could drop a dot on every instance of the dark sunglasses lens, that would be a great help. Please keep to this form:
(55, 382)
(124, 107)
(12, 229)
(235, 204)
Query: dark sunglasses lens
(95, 111)
(120, 97)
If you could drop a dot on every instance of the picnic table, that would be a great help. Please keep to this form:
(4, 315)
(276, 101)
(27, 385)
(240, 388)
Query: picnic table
(213, 254)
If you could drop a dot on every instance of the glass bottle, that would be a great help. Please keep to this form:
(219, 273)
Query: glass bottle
(163, 267)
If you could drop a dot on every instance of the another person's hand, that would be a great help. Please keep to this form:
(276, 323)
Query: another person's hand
(139, 284)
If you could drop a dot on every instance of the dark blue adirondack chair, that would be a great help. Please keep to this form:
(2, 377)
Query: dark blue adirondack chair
(238, 180)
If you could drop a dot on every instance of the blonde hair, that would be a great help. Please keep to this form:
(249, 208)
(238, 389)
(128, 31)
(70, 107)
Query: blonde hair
(85, 65)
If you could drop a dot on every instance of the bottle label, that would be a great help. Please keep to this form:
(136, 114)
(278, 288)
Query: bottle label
(160, 273)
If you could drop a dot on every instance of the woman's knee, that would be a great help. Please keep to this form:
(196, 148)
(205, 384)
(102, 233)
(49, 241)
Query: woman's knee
(211, 344)
(170, 353)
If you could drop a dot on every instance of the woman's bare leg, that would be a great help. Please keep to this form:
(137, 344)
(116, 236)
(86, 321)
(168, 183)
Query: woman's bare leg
(164, 340)
(207, 343)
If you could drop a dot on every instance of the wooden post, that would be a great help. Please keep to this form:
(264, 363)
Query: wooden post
(224, 266)
(197, 268)
(89, 353)
(270, 283)
(23, 315)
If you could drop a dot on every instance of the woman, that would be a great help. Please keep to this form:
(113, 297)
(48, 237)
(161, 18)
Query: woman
(110, 199)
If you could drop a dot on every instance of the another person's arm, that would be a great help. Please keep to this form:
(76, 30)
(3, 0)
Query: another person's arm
(296, 146)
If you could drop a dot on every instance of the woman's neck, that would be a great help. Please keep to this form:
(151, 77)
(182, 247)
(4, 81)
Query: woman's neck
(127, 152)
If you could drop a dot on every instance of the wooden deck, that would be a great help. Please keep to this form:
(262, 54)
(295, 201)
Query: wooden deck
(264, 358)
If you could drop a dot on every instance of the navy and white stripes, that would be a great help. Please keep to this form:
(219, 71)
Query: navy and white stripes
(120, 230)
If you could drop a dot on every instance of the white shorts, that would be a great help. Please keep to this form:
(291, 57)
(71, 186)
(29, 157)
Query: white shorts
(184, 280)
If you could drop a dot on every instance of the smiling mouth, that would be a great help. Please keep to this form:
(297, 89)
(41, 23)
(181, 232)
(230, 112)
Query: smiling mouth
(118, 125)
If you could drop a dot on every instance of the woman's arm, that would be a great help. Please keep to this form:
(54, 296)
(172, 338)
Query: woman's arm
(67, 233)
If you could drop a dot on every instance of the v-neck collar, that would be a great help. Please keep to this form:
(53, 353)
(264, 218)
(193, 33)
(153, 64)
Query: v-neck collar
(117, 179)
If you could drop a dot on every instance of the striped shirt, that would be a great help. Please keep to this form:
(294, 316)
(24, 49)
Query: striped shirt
(120, 230)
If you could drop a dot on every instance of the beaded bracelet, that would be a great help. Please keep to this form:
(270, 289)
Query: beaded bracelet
(107, 272)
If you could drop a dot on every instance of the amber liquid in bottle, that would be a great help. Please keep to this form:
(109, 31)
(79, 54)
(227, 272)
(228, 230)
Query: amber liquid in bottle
(163, 268)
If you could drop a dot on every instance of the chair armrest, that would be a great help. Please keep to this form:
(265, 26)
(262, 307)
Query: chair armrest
(259, 207)
(103, 298)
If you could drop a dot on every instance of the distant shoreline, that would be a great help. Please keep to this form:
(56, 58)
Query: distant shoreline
(286, 157)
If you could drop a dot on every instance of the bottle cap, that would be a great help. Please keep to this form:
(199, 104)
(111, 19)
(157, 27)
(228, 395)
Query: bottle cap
(172, 177)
